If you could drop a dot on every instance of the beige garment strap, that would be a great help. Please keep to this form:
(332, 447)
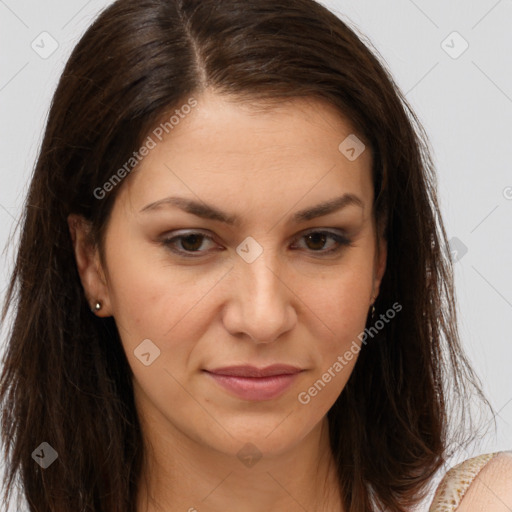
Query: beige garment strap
(456, 482)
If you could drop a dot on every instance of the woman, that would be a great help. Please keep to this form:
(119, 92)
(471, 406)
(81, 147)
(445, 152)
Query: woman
(232, 289)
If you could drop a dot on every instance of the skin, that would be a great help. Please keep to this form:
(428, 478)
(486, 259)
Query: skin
(492, 488)
(291, 305)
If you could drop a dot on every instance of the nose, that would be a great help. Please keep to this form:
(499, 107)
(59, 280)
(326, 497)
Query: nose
(261, 303)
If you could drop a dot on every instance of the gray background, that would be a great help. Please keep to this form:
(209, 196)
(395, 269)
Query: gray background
(464, 102)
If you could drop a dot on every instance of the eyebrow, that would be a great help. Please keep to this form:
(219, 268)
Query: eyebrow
(206, 211)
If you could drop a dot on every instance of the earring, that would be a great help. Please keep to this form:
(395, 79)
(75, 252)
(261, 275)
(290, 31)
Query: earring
(97, 306)
(372, 312)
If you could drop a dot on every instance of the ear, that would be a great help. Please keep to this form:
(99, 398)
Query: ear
(381, 255)
(89, 265)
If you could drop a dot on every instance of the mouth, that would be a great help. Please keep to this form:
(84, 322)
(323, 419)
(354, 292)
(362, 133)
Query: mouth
(255, 384)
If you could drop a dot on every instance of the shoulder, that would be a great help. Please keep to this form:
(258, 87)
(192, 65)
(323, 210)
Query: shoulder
(479, 484)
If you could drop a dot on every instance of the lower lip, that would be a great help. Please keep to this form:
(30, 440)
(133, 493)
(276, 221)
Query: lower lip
(255, 388)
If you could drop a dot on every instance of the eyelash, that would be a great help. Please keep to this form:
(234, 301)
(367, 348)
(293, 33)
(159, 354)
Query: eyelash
(341, 240)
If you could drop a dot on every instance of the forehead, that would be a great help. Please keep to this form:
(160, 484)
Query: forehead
(237, 152)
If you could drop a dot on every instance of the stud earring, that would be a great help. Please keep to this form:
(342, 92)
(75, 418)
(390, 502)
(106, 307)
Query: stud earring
(97, 306)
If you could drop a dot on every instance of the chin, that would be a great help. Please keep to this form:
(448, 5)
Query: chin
(271, 437)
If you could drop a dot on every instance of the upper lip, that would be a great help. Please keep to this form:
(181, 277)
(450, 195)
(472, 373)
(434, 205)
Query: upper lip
(252, 371)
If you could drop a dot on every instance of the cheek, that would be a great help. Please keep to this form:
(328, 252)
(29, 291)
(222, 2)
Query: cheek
(152, 299)
(154, 305)
(340, 306)
(143, 290)
(342, 299)
(340, 312)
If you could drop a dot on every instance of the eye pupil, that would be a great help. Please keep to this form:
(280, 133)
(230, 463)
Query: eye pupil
(316, 237)
(194, 238)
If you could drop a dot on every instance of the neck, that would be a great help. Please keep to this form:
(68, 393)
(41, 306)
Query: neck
(183, 475)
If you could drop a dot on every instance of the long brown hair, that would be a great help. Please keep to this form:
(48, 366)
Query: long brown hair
(66, 380)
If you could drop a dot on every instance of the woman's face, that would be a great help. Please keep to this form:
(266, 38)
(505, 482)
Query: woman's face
(288, 282)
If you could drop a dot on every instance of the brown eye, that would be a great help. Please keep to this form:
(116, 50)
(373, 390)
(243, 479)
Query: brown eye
(187, 244)
(192, 242)
(316, 241)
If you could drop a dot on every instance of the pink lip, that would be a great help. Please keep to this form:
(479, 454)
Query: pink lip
(251, 383)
